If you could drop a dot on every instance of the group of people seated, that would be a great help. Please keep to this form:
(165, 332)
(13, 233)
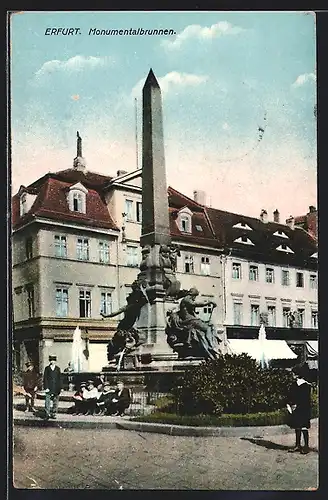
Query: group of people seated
(101, 400)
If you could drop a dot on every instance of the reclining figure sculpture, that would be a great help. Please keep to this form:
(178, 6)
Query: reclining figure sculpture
(188, 335)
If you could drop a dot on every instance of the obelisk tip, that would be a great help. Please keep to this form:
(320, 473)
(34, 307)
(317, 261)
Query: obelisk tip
(151, 80)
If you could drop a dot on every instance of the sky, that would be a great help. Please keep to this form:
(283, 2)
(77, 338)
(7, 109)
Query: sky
(238, 91)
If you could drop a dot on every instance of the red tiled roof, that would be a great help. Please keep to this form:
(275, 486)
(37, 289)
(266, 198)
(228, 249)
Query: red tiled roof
(179, 200)
(71, 175)
(51, 202)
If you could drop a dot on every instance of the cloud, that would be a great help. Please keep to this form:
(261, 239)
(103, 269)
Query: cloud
(303, 79)
(172, 81)
(74, 64)
(195, 31)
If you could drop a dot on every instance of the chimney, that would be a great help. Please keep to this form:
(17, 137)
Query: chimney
(264, 216)
(276, 216)
(79, 162)
(290, 222)
(121, 172)
(312, 209)
(200, 197)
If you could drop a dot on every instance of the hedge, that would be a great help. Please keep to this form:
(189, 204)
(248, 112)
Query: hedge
(278, 417)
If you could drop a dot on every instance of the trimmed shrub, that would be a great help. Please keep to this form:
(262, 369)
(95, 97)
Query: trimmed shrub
(228, 420)
(231, 384)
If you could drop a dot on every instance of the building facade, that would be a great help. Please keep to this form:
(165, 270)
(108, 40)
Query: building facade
(76, 252)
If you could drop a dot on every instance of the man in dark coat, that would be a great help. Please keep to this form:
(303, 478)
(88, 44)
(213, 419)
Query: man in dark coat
(299, 406)
(121, 399)
(104, 402)
(52, 385)
(30, 384)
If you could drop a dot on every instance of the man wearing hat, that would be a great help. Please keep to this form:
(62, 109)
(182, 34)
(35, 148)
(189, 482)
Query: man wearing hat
(104, 402)
(299, 406)
(79, 400)
(52, 384)
(30, 384)
(90, 397)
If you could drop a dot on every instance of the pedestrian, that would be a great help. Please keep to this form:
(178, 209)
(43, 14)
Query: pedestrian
(52, 384)
(299, 407)
(69, 370)
(30, 384)
(121, 400)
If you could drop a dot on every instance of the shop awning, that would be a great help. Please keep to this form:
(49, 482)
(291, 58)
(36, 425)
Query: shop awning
(312, 348)
(273, 349)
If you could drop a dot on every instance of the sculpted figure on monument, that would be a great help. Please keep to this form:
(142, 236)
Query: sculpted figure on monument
(126, 336)
(189, 335)
(167, 261)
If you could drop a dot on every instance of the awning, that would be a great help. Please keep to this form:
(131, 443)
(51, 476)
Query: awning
(312, 348)
(273, 349)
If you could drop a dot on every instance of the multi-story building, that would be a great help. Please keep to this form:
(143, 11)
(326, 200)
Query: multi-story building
(76, 253)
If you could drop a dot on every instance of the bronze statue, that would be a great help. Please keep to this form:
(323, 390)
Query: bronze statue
(126, 336)
(189, 335)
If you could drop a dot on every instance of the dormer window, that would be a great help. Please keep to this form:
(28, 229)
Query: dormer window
(244, 240)
(185, 224)
(284, 248)
(281, 234)
(184, 220)
(77, 202)
(77, 198)
(23, 205)
(242, 225)
(26, 201)
(314, 255)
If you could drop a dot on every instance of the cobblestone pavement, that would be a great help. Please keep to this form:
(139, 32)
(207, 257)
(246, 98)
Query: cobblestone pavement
(55, 458)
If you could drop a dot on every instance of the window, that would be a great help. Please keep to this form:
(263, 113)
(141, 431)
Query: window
(77, 198)
(198, 228)
(269, 275)
(132, 256)
(236, 271)
(253, 273)
(285, 277)
(244, 240)
(284, 248)
(255, 315)
(82, 249)
(299, 280)
(30, 301)
(77, 202)
(205, 266)
(300, 318)
(60, 246)
(129, 209)
(271, 315)
(185, 224)
(242, 225)
(189, 264)
(237, 313)
(23, 204)
(281, 234)
(61, 302)
(85, 303)
(103, 249)
(29, 248)
(285, 316)
(313, 281)
(314, 319)
(139, 211)
(106, 303)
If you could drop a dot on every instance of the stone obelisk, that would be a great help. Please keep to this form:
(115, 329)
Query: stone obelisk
(155, 231)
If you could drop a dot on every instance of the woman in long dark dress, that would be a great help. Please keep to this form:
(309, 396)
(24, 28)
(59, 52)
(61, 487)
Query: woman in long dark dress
(300, 405)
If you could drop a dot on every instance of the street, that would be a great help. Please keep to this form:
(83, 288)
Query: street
(55, 458)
